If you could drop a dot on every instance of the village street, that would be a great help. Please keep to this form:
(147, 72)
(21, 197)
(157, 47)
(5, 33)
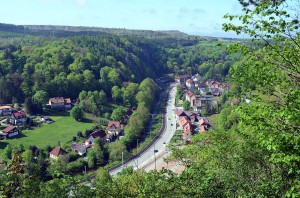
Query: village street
(159, 146)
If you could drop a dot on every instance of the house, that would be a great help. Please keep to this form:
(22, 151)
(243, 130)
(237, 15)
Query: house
(96, 134)
(203, 125)
(18, 118)
(204, 99)
(57, 152)
(196, 78)
(183, 121)
(181, 79)
(180, 114)
(5, 110)
(9, 132)
(68, 103)
(190, 96)
(57, 102)
(114, 127)
(108, 137)
(60, 103)
(190, 84)
(187, 132)
(80, 148)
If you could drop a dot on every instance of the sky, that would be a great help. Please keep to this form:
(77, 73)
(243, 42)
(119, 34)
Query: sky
(197, 17)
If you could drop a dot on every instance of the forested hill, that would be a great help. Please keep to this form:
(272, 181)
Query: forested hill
(66, 60)
(65, 31)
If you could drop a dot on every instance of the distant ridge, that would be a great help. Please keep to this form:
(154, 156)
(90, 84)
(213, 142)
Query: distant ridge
(62, 31)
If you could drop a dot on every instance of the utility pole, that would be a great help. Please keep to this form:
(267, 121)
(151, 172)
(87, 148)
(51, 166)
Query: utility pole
(137, 158)
(122, 158)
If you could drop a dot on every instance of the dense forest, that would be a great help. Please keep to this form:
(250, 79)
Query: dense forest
(66, 65)
(252, 152)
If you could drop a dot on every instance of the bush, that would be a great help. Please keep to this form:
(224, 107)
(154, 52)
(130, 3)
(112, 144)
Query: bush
(77, 165)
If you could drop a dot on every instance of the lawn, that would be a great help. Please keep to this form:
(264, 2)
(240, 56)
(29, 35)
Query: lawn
(63, 129)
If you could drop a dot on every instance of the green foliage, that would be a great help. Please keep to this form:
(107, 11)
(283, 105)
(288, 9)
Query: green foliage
(137, 123)
(119, 114)
(269, 76)
(40, 97)
(179, 93)
(7, 152)
(77, 113)
(186, 105)
(115, 151)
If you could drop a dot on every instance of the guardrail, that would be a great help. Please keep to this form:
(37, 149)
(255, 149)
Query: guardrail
(161, 130)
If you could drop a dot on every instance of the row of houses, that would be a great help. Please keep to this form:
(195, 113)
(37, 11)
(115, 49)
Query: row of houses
(14, 117)
(190, 123)
(60, 103)
(200, 94)
(114, 129)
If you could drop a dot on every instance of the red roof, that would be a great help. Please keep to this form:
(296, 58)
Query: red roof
(203, 122)
(183, 76)
(19, 114)
(190, 94)
(183, 120)
(58, 151)
(9, 129)
(100, 133)
(180, 113)
(5, 107)
(187, 128)
(57, 100)
(113, 125)
(67, 100)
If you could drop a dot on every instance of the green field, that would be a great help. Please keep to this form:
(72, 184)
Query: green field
(63, 129)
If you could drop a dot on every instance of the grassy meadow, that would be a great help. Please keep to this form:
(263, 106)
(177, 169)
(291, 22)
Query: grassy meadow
(62, 129)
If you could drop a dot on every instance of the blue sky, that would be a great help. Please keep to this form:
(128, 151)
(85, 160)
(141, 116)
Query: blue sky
(203, 17)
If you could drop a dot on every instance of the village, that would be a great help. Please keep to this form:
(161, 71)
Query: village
(191, 119)
(13, 121)
(200, 98)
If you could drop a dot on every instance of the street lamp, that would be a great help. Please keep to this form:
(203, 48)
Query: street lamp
(155, 151)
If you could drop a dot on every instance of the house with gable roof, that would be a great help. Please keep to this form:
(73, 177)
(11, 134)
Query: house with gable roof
(60, 103)
(5, 110)
(190, 84)
(18, 118)
(181, 79)
(179, 114)
(99, 134)
(187, 132)
(57, 152)
(203, 125)
(114, 128)
(187, 128)
(80, 148)
(9, 132)
(190, 96)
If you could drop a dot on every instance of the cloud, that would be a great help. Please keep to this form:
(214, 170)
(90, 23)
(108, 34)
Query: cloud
(81, 2)
(184, 10)
(150, 11)
(199, 11)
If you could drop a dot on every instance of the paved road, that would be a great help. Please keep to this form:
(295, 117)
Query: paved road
(160, 144)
